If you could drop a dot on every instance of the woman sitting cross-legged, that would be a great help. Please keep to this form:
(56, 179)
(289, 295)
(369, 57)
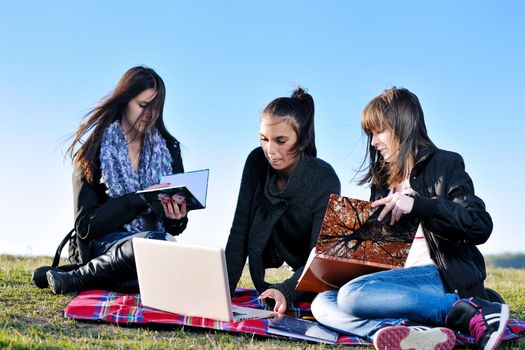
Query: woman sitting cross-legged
(441, 284)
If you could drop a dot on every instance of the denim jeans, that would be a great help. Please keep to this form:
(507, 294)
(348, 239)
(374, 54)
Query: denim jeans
(370, 302)
(103, 244)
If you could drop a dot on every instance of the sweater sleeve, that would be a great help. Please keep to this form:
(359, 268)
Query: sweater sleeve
(330, 184)
(458, 215)
(237, 245)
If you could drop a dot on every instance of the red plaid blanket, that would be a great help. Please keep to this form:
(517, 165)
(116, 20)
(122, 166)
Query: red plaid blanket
(99, 305)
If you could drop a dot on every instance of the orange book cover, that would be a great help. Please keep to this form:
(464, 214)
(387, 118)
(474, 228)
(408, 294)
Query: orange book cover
(352, 242)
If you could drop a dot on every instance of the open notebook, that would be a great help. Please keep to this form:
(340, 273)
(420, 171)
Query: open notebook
(193, 186)
(189, 280)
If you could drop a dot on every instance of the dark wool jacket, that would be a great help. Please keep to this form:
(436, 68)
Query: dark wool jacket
(271, 226)
(454, 220)
(96, 214)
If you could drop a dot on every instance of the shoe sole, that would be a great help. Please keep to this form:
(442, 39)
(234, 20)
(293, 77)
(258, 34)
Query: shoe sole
(495, 337)
(404, 338)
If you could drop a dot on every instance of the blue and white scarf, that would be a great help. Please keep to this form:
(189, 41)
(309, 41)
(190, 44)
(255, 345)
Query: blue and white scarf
(118, 174)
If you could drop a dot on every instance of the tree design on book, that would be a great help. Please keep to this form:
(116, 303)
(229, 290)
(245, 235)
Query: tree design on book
(350, 230)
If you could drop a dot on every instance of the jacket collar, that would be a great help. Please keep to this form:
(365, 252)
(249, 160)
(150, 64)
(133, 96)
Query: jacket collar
(422, 156)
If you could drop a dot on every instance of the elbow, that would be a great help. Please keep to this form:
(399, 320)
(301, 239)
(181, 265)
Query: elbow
(485, 229)
(482, 234)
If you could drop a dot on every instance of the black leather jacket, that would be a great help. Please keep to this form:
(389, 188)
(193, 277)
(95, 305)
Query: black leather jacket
(454, 220)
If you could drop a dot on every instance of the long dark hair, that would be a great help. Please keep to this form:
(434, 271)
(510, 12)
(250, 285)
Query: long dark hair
(111, 108)
(400, 109)
(299, 110)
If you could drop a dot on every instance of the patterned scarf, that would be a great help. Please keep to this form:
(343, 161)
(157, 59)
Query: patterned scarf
(118, 174)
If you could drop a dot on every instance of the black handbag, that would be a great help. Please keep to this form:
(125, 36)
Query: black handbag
(39, 278)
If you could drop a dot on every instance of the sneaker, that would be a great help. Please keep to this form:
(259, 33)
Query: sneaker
(414, 337)
(482, 319)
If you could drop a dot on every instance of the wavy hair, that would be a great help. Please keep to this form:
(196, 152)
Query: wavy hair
(111, 108)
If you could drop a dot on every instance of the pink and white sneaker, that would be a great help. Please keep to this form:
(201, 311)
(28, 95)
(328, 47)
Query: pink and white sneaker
(414, 338)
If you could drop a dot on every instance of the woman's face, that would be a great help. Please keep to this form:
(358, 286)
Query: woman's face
(277, 139)
(137, 117)
(383, 142)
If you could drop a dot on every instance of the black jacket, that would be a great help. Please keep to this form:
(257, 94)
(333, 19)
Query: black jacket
(96, 214)
(271, 226)
(454, 220)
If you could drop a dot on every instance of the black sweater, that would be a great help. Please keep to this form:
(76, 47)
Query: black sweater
(97, 214)
(271, 226)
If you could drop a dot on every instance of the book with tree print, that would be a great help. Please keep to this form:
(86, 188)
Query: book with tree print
(352, 242)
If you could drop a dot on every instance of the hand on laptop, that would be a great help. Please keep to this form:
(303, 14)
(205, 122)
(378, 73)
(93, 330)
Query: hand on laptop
(280, 300)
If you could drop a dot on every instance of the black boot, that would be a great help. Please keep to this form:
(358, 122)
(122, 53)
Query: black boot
(113, 267)
(482, 319)
(39, 277)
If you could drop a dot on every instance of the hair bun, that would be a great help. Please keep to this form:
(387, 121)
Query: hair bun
(299, 93)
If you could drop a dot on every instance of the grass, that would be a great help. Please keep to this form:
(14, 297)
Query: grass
(31, 318)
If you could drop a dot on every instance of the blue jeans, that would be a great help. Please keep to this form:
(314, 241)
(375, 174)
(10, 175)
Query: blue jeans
(370, 302)
(103, 244)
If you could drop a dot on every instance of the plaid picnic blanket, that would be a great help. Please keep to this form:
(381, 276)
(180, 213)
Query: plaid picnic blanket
(100, 305)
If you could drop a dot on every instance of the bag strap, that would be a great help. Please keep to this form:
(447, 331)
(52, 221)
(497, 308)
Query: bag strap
(66, 239)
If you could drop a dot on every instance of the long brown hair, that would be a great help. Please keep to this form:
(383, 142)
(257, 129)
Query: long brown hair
(399, 109)
(299, 110)
(110, 109)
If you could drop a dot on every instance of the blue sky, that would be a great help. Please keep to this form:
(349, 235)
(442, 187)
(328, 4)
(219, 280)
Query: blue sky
(222, 62)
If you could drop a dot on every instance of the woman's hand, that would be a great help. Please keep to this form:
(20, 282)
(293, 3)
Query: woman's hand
(397, 203)
(280, 300)
(174, 206)
(157, 186)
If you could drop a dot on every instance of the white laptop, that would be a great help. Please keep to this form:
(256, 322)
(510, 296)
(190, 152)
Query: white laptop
(189, 280)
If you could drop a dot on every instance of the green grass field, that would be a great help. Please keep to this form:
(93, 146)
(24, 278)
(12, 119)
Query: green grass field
(31, 318)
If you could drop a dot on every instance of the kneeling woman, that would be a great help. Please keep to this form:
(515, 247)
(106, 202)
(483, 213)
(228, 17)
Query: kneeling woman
(128, 150)
(282, 200)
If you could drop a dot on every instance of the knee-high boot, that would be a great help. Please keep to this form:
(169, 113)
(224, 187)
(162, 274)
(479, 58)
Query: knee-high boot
(113, 267)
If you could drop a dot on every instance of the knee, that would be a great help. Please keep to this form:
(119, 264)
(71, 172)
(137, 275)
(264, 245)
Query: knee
(322, 304)
(349, 296)
(124, 253)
